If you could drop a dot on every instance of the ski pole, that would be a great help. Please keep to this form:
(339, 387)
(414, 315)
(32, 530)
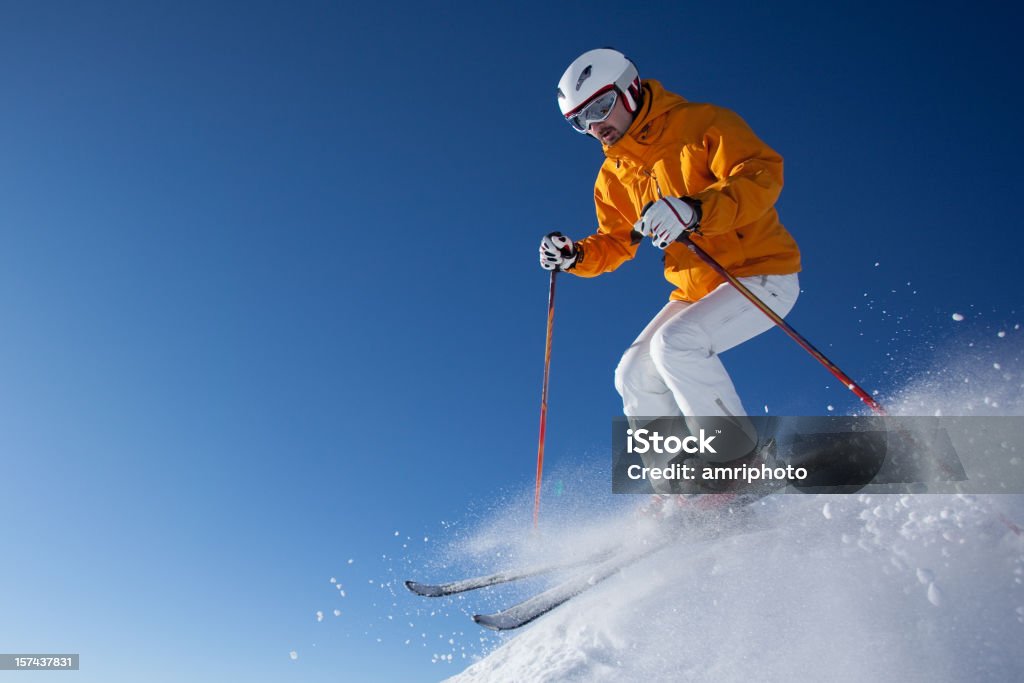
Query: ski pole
(544, 398)
(786, 327)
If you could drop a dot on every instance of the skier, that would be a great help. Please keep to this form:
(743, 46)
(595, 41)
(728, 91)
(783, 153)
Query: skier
(673, 166)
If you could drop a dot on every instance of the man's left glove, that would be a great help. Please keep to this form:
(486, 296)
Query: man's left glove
(557, 252)
(666, 219)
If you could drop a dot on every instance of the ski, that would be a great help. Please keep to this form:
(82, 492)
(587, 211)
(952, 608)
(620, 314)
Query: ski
(692, 530)
(600, 565)
(539, 605)
(437, 590)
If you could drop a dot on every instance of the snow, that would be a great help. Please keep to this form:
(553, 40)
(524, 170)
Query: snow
(838, 588)
(904, 587)
(922, 587)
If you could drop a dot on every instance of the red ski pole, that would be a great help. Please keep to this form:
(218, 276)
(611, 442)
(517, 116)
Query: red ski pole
(786, 327)
(544, 398)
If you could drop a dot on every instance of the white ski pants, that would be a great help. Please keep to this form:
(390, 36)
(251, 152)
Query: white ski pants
(673, 368)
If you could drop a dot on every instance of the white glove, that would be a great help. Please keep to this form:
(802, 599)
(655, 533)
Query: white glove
(557, 252)
(666, 219)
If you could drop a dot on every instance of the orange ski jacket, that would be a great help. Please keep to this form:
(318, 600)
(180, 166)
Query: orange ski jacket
(679, 148)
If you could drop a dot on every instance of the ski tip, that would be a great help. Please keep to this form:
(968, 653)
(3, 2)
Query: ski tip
(488, 621)
(503, 621)
(425, 589)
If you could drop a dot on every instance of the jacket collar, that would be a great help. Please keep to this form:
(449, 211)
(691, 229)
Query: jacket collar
(648, 125)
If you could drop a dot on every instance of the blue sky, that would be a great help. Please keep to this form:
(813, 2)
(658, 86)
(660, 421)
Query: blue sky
(269, 288)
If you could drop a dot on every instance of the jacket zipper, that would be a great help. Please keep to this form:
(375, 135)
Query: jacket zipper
(657, 185)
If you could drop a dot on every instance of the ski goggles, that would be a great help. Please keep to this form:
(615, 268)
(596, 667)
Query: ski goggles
(596, 109)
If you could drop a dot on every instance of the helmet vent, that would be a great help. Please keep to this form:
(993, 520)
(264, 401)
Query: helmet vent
(583, 77)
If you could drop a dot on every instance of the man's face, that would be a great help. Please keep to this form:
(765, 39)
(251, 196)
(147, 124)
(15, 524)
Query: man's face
(614, 127)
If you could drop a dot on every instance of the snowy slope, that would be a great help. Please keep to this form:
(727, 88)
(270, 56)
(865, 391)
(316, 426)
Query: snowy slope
(862, 587)
(835, 588)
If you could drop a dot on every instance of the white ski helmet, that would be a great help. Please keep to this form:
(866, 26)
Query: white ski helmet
(594, 73)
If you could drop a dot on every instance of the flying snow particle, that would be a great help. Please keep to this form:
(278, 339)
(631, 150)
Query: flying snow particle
(1002, 333)
(925, 576)
(958, 317)
(334, 580)
(319, 616)
(934, 595)
(293, 655)
(351, 561)
(831, 408)
(827, 511)
(337, 612)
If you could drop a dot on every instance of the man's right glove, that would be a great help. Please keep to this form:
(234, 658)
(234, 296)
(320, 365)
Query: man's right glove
(557, 252)
(666, 219)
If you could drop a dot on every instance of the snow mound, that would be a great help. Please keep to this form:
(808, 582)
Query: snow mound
(837, 588)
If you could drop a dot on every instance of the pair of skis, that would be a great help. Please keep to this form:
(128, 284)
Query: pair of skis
(598, 567)
(594, 569)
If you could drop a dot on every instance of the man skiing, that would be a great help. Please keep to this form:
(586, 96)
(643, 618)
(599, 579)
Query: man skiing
(675, 167)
